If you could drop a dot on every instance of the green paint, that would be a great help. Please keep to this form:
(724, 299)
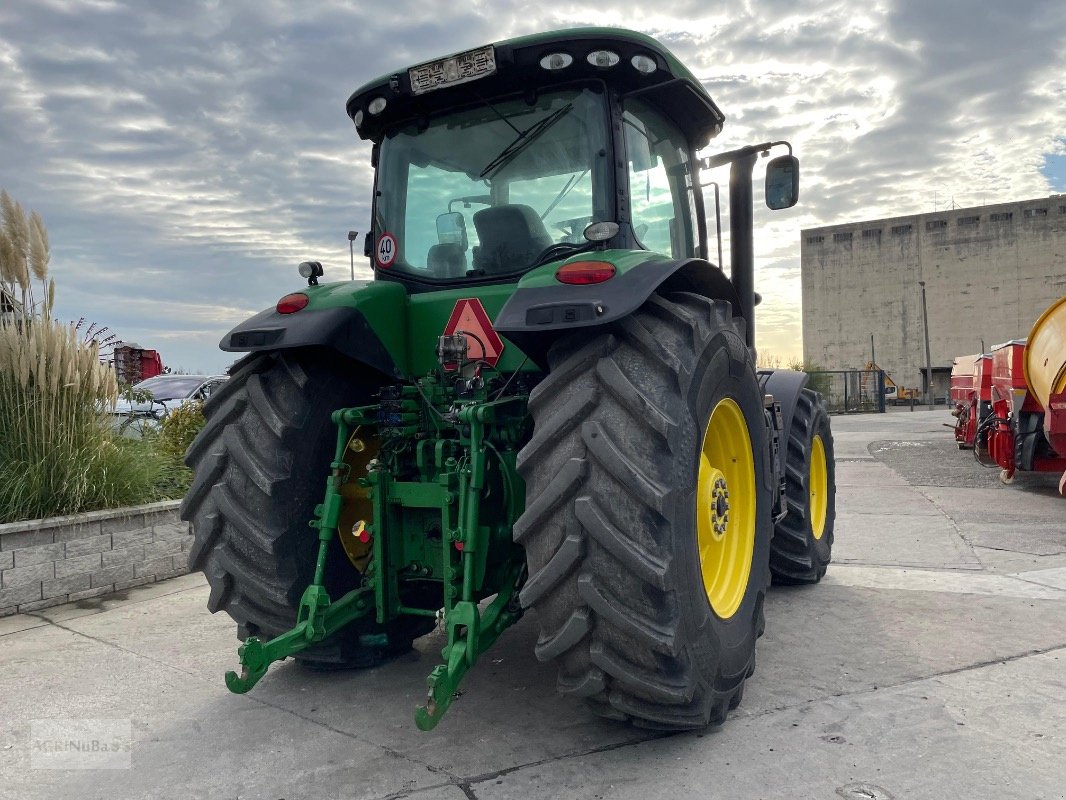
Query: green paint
(383, 303)
(428, 313)
(408, 325)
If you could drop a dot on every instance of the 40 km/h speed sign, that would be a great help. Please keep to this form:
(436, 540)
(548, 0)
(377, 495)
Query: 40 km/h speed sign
(386, 250)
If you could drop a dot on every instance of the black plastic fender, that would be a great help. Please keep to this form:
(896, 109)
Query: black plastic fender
(785, 385)
(535, 317)
(345, 330)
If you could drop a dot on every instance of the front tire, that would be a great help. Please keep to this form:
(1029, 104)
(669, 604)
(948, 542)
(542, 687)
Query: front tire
(803, 541)
(646, 617)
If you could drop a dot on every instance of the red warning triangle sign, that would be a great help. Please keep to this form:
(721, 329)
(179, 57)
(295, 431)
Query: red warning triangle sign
(483, 342)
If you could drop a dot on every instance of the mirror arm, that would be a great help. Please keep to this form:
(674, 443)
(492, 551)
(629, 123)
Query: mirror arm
(728, 157)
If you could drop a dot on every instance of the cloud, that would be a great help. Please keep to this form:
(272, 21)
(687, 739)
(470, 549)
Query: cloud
(187, 156)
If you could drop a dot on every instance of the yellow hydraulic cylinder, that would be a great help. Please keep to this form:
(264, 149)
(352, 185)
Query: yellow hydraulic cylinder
(1045, 354)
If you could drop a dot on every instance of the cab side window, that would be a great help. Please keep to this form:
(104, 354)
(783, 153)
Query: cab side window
(660, 189)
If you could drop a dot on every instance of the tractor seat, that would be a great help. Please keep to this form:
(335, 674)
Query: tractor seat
(446, 261)
(510, 238)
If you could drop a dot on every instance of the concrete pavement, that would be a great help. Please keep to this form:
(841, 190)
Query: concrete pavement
(930, 662)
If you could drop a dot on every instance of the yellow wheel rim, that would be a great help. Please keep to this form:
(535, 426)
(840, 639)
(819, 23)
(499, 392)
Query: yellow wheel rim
(358, 508)
(725, 508)
(818, 486)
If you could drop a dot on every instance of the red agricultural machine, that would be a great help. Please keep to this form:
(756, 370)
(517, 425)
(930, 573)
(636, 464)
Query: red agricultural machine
(1026, 426)
(971, 395)
(134, 364)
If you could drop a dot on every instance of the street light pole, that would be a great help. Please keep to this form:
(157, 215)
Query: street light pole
(351, 249)
(928, 360)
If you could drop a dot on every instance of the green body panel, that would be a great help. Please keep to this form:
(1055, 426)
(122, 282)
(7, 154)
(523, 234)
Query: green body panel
(428, 313)
(408, 325)
(382, 303)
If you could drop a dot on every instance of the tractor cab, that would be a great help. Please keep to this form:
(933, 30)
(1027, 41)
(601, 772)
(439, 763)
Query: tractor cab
(503, 158)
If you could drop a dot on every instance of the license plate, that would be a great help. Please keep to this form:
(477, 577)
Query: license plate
(468, 66)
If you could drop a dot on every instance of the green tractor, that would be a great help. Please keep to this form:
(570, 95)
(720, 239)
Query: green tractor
(546, 398)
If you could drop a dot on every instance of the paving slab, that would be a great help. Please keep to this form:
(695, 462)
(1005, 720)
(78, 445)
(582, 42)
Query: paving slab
(1035, 585)
(867, 474)
(1055, 577)
(1004, 507)
(967, 734)
(851, 448)
(1008, 562)
(188, 741)
(901, 540)
(841, 637)
(897, 500)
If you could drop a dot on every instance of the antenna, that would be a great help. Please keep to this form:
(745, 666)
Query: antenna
(351, 249)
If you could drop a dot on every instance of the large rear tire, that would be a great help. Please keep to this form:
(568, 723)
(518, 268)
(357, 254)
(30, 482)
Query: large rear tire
(649, 597)
(803, 540)
(260, 466)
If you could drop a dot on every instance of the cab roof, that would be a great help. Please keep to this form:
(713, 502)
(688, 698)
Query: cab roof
(515, 66)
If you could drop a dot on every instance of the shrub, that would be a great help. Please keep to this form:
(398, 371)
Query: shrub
(57, 453)
(179, 428)
(819, 380)
(173, 438)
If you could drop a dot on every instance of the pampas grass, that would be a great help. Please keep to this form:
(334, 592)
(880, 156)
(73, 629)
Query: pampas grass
(57, 452)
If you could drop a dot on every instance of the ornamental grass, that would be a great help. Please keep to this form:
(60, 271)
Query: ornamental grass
(57, 452)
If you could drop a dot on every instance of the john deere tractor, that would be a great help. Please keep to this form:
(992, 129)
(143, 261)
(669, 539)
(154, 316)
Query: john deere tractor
(545, 399)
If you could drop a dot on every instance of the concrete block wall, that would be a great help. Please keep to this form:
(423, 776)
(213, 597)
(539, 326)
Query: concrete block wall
(46, 562)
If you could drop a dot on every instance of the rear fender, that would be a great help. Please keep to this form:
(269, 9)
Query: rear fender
(785, 385)
(543, 310)
(345, 330)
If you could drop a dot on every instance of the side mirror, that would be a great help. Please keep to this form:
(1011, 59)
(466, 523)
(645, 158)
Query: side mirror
(451, 229)
(782, 182)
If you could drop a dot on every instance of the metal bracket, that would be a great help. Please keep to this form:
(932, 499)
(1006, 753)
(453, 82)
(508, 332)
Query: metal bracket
(317, 619)
(470, 634)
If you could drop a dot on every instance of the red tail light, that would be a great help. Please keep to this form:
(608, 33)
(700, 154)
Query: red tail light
(580, 273)
(291, 303)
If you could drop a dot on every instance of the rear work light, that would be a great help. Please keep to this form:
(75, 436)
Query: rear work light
(602, 58)
(583, 273)
(291, 303)
(643, 64)
(556, 61)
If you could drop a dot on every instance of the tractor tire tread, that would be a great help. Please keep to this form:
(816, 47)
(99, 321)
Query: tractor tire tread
(249, 461)
(577, 542)
(796, 557)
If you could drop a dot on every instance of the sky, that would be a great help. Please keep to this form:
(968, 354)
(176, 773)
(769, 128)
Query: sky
(186, 156)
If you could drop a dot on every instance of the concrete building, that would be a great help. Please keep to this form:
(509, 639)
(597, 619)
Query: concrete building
(989, 272)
